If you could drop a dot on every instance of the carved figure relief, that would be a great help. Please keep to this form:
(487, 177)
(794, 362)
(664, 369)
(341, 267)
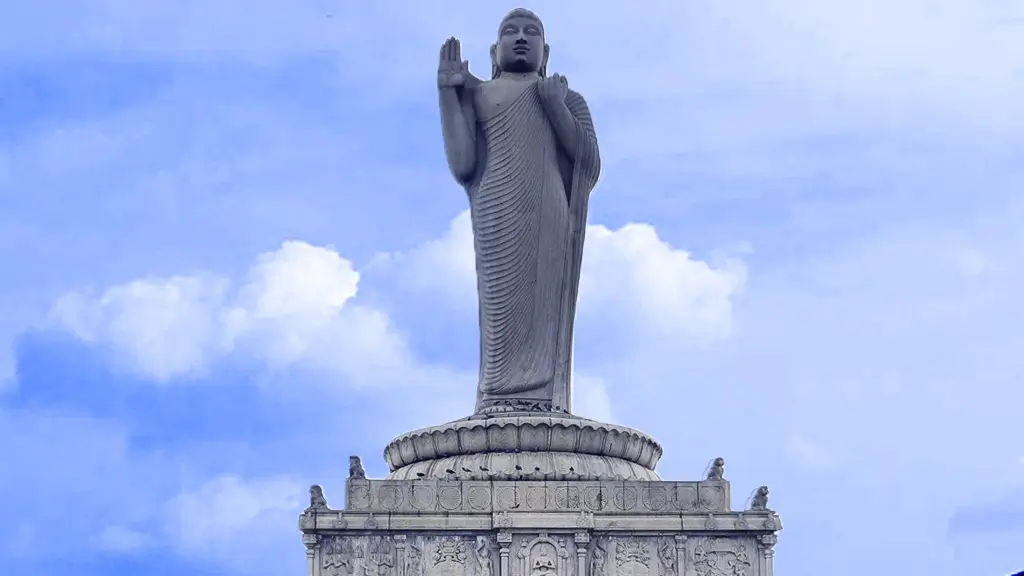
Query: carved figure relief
(667, 557)
(543, 565)
(720, 557)
(597, 560)
(413, 560)
(380, 556)
(543, 556)
(449, 557)
(341, 556)
(632, 557)
(483, 556)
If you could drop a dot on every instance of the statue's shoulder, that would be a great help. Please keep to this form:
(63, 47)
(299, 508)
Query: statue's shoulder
(575, 97)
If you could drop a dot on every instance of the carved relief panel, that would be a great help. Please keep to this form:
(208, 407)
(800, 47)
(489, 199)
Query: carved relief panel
(633, 557)
(343, 556)
(717, 556)
(448, 557)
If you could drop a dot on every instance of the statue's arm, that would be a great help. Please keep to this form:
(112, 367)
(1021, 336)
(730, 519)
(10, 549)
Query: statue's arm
(574, 128)
(458, 127)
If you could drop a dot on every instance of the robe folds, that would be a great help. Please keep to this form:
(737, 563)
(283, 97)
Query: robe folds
(528, 202)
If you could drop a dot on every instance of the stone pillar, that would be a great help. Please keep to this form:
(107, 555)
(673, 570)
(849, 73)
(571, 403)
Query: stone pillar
(311, 540)
(504, 539)
(400, 553)
(582, 539)
(766, 544)
(681, 554)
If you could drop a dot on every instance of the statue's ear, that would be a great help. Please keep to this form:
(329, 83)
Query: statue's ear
(495, 71)
(544, 62)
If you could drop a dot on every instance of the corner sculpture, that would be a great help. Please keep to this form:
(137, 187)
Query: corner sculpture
(523, 487)
(523, 146)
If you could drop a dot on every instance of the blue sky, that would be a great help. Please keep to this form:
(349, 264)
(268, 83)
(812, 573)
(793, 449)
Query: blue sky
(232, 256)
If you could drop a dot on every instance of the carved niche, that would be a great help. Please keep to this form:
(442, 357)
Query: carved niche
(449, 557)
(343, 556)
(632, 557)
(721, 557)
(543, 556)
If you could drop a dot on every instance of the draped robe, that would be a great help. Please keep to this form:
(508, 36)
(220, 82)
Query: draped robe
(528, 202)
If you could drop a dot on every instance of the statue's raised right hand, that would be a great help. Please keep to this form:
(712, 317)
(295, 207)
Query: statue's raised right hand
(452, 70)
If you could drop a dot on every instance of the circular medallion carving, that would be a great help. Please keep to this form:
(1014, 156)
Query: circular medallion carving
(449, 497)
(655, 498)
(536, 497)
(712, 498)
(625, 497)
(359, 497)
(390, 497)
(567, 497)
(686, 498)
(593, 498)
(507, 497)
(422, 497)
(479, 498)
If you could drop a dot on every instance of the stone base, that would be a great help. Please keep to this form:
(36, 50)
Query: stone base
(523, 447)
(537, 528)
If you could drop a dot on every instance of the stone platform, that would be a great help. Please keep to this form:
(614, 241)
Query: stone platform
(536, 527)
(523, 446)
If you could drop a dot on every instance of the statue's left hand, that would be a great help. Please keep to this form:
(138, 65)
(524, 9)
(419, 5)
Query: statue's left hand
(553, 90)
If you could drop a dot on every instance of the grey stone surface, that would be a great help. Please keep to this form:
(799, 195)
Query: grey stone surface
(528, 528)
(522, 487)
(530, 446)
(523, 146)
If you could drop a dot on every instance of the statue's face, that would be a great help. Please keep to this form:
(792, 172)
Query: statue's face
(520, 46)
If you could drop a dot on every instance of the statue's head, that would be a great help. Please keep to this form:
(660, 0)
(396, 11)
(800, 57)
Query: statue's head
(719, 461)
(520, 46)
(763, 490)
(316, 491)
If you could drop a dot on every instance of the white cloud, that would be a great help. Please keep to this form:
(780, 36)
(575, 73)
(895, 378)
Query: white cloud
(228, 513)
(225, 507)
(165, 327)
(630, 277)
(444, 266)
(293, 309)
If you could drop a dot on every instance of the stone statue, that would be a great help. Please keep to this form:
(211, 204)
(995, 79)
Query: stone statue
(523, 146)
(716, 470)
(316, 499)
(759, 501)
(355, 468)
